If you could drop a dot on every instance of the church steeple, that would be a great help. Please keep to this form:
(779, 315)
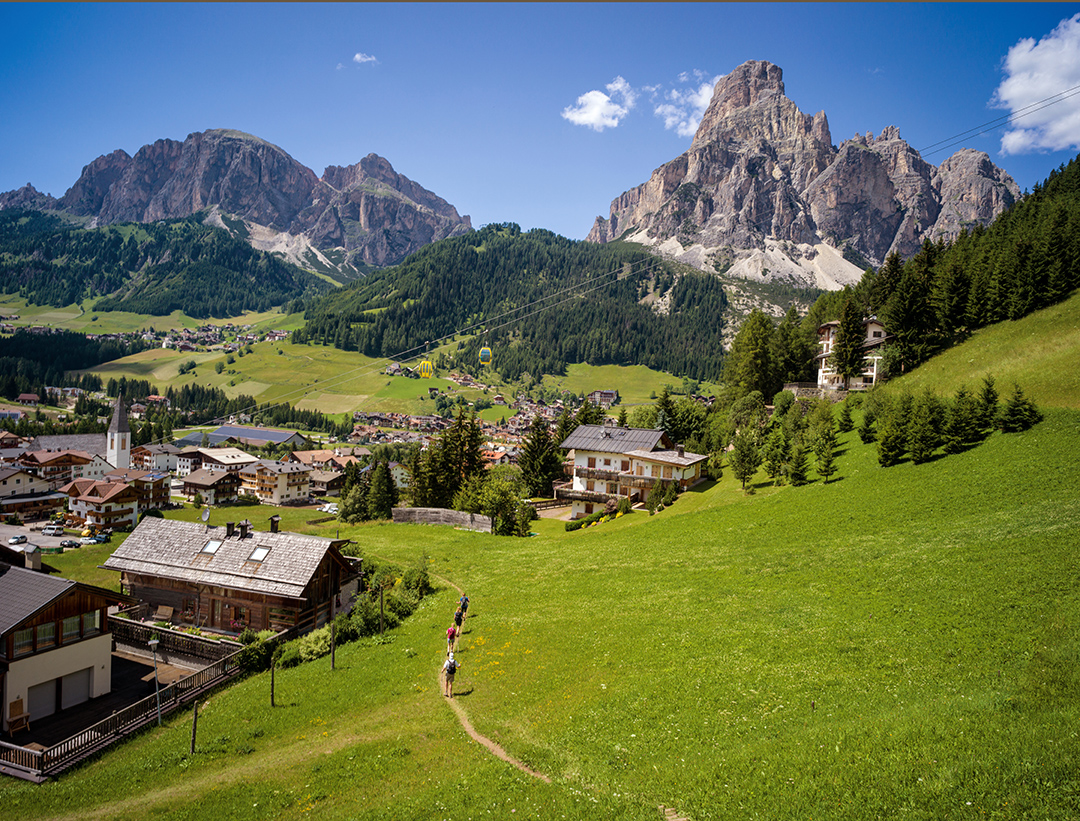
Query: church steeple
(118, 449)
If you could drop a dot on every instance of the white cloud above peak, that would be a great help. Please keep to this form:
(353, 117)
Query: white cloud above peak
(1036, 72)
(597, 110)
(360, 58)
(683, 108)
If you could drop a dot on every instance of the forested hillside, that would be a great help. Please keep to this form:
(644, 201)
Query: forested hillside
(154, 269)
(1028, 259)
(589, 303)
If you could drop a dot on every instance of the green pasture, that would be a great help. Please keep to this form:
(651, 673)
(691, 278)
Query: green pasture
(897, 643)
(81, 317)
(1039, 352)
(635, 383)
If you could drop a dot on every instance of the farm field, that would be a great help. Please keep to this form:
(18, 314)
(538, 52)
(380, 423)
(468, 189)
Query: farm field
(900, 642)
(318, 377)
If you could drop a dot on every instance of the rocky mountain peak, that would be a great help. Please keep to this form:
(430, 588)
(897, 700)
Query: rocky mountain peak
(368, 211)
(763, 193)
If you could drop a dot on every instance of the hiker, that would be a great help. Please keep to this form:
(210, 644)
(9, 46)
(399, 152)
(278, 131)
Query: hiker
(464, 603)
(459, 617)
(451, 639)
(449, 669)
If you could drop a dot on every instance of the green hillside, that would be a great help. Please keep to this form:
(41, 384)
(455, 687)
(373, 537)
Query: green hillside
(1039, 351)
(156, 268)
(901, 642)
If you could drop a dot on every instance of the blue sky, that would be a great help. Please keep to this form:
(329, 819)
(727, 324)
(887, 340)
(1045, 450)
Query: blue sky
(469, 100)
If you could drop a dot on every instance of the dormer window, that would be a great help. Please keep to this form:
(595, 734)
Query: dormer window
(212, 546)
(258, 554)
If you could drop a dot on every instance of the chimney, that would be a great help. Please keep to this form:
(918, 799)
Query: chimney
(274, 520)
(230, 528)
(680, 450)
(244, 525)
(32, 558)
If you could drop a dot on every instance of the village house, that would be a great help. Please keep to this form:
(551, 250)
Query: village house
(60, 467)
(605, 399)
(326, 482)
(617, 463)
(188, 460)
(55, 646)
(28, 399)
(155, 457)
(233, 577)
(828, 378)
(226, 459)
(27, 496)
(276, 483)
(214, 487)
(151, 487)
(102, 504)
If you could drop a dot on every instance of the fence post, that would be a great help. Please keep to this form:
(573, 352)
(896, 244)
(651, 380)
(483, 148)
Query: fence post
(194, 725)
(273, 666)
(380, 610)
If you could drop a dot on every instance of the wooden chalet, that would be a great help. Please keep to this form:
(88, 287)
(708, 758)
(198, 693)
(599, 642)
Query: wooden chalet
(232, 577)
(55, 646)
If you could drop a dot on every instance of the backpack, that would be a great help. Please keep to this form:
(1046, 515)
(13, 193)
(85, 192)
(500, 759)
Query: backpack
(451, 668)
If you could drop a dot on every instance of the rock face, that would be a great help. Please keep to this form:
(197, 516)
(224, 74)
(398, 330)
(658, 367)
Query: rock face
(27, 197)
(763, 193)
(368, 211)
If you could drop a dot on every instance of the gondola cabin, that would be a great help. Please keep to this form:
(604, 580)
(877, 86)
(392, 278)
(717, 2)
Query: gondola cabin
(485, 356)
(427, 370)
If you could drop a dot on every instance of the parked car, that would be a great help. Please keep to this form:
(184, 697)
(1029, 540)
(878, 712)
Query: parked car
(88, 540)
(52, 530)
(17, 539)
(69, 543)
(101, 538)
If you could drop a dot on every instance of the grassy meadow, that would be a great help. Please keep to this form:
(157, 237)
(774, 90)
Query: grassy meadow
(900, 642)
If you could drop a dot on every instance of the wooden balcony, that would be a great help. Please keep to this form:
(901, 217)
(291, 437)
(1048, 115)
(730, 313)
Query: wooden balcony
(606, 474)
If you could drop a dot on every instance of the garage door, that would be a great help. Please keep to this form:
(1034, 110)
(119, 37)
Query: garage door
(75, 688)
(42, 699)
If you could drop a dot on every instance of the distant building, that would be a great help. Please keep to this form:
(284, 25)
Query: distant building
(605, 399)
(118, 447)
(617, 463)
(276, 483)
(828, 378)
(215, 487)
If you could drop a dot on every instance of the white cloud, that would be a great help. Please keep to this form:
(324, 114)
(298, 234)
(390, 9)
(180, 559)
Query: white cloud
(360, 58)
(684, 107)
(340, 66)
(1035, 72)
(597, 110)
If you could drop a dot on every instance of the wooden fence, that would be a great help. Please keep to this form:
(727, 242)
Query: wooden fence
(441, 516)
(38, 765)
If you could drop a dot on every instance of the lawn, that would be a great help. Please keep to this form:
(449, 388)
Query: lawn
(900, 642)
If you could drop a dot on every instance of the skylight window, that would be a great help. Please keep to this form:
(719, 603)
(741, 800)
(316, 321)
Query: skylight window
(258, 554)
(212, 546)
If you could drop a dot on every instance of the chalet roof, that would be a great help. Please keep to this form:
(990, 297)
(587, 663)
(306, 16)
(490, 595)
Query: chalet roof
(42, 457)
(669, 457)
(171, 549)
(97, 492)
(92, 443)
(271, 466)
(325, 475)
(228, 456)
(614, 440)
(132, 475)
(24, 592)
(209, 478)
(172, 450)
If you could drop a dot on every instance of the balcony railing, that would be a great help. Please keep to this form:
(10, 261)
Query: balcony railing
(567, 492)
(597, 473)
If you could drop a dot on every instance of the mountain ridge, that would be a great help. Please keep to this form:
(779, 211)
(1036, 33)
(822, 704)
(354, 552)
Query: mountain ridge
(763, 193)
(366, 212)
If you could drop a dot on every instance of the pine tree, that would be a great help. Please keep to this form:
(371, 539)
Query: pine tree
(382, 495)
(622, 417)
(924, 429)
(825, 451)
(564, 427)
(749, 364)
(776, 453)
(540, 463)
(354, 507)
(988, 404)
(844, 423)
(848, 354)
(798, 467)
(1019, 412)
(866, 427)
(892, 438)
(961, 423)
(745, 457)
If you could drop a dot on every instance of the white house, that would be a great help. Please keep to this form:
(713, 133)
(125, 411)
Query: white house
(617, 463)
(828, 378)
(276, 482)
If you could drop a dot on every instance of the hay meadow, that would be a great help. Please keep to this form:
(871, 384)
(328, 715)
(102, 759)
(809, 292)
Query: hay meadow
(900, 642)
